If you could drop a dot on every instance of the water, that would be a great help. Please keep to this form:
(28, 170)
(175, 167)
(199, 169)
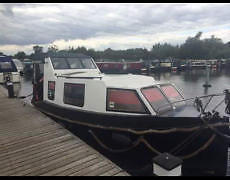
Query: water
(191, 84)
(137, 162)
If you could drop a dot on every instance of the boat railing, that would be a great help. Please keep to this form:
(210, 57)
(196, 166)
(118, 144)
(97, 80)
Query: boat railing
(197, 102)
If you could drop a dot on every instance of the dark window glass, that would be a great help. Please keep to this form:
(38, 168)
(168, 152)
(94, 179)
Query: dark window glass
(60, 63)
(156, 99)
(51, 90)
(74, 94)
(73, 63)
(124, 101)
(5, 65)
(81, 63)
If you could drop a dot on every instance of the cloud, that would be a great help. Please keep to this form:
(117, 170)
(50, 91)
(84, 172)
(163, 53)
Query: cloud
(101, 26)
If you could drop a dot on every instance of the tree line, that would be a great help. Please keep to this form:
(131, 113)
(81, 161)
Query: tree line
(192, 48)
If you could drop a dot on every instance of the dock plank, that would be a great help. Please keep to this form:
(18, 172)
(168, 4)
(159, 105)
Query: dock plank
(70, 165)
(32, 144)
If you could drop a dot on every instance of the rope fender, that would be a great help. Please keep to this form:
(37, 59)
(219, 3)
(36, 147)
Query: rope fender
(141, 139)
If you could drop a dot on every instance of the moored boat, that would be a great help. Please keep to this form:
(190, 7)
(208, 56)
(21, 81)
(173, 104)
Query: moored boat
(18, 65)
(120, 67)
(72, 89)
(8, 70)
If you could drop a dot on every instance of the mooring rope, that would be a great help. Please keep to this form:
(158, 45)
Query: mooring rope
(23, 97)
(202, 148)
(185, 142)
(136, 143)
(149, 146)
(141, 132)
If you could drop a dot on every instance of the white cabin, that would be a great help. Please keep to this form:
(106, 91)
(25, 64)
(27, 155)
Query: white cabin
(77, 83)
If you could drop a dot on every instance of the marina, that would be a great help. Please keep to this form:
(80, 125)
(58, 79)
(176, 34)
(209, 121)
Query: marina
(31, 144)
(96, 141)
(119, 89)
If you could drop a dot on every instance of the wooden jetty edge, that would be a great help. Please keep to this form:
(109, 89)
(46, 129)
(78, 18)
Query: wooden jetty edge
(31, 144)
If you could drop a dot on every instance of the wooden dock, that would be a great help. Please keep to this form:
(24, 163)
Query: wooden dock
(31, 144)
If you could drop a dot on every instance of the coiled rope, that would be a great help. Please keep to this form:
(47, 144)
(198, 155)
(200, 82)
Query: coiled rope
(23, 97)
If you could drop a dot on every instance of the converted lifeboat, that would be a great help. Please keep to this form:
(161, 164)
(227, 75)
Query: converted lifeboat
(71, 88)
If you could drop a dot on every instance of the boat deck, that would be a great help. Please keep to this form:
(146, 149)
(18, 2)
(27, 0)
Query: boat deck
(31, 144)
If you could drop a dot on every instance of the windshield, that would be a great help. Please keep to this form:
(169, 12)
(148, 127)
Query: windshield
(73, 63)
(156, 99)
(17, 63)
(172, 94)
(6, 67)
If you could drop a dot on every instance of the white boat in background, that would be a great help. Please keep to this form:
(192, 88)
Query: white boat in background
(18, 65)
(8, 70)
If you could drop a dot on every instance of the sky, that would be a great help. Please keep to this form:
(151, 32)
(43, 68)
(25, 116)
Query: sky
(112, 25)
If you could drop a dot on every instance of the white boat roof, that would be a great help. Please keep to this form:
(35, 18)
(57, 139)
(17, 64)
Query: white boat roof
(129, 81)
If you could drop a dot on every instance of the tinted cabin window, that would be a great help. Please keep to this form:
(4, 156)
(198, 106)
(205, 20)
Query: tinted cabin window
(156, 99)
(5, 65)
(81, 63)
(124, 101)
(74, 94)
(172, 94)
(51, 90)
(73, 63)
(60, 63)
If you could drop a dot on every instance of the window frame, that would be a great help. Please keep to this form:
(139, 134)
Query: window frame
(168, 84)
(72, 103)
(173, 103)
(156, 86)
(52, 90)
(137, 95)
(68, 64)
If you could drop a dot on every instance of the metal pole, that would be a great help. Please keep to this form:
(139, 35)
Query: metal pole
(207, 77)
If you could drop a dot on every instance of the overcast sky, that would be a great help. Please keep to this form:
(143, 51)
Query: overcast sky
(101, 26)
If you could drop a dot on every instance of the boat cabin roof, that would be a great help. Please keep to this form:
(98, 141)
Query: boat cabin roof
(7, 64)
(128, 81)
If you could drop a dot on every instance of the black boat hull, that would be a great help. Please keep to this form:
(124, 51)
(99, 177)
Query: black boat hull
(212, 159)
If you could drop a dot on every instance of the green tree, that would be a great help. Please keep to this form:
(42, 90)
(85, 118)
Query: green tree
(20, 55)
(52, 48)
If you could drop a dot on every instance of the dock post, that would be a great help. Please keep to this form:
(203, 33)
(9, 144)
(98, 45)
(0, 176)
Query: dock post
(10, 88)
(166, 164)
